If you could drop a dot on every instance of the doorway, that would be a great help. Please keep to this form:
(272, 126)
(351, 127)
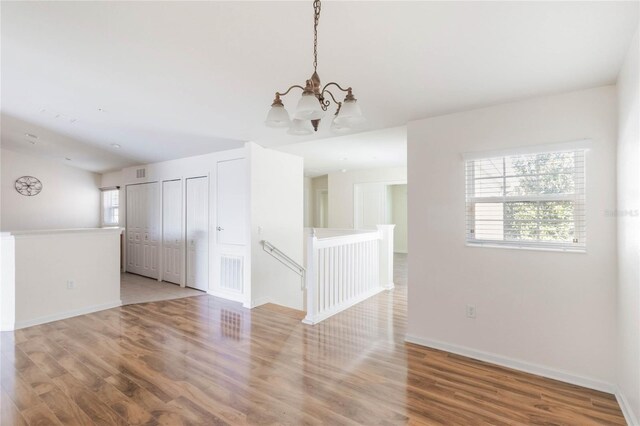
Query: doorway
(381, 203)
(322, 206)
(399, 217)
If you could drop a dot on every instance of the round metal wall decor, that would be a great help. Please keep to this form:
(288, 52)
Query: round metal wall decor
(28, 186)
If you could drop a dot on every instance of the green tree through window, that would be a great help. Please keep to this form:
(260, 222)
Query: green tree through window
(551, 173)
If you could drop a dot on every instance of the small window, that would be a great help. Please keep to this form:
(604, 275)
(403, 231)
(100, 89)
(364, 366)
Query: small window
(532, 200)
(110, 207)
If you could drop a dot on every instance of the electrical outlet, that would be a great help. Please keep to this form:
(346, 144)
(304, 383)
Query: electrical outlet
(471, 311)
(71, 285)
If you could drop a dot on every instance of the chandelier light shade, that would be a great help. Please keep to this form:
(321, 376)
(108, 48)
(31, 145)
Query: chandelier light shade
(315, 100)
(339, 127)
(350, 114)
(309, 108)
(278, 116)
(300, 127)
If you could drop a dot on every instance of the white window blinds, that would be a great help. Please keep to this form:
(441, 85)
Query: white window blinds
(110, 207)
(532, 200)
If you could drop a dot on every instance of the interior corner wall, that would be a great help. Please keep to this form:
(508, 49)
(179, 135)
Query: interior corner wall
(341, 196)
(628, 214)
(276, 216)
(399, 217)
(111, 179)
(70, 197)
(308, 206)
(318, 184)
(551, 313)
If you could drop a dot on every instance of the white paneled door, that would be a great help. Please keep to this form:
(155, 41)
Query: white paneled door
(197, 233)
(231, 205)
(143, 229)
(231, 228)
(172, 237)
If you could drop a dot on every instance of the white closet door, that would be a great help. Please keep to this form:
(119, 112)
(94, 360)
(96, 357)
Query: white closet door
(172, 237)
(143, 229)
(370, 205)
(198, 233)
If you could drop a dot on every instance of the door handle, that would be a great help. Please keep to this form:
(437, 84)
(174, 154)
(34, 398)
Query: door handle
(219, 228)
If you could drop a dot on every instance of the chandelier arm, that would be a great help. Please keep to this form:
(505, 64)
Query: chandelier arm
(333, 83)
(295, 86)
(332, 97)
(324, 104)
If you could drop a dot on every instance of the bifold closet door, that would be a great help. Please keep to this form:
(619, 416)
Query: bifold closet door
(143, 229)
(197, 230)
(172, 236)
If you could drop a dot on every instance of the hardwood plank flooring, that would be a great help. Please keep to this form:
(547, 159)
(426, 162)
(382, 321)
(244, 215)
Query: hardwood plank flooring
(203, 360)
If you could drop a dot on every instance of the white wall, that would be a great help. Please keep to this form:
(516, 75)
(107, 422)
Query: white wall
(341, 200)
(318, 184)
(276, 216)
(549, 312)
(399, 218)
(70, 197)
(308, 202)
(90, 258)
(111, 179)
(629, 234)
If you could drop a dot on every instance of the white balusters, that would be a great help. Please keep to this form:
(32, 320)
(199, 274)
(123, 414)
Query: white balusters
(345, 269)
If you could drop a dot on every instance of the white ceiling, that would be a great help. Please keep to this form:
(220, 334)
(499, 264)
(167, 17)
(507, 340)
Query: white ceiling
(175, 79)
(368, 150)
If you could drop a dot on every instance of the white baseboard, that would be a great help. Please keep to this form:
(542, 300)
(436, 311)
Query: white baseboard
(261, 301)
(67, 314)
(515, 364)
(629, 416)
(234, 297)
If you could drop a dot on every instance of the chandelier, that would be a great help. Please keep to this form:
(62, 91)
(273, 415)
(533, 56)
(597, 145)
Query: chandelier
(315, 101)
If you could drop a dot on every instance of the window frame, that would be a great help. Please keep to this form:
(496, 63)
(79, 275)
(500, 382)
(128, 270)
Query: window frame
(578, 198)
(103, 207)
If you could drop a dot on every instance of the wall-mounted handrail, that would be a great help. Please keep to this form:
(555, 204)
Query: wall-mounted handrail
(281, 257)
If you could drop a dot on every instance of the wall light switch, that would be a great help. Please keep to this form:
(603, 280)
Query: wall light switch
(71, 285)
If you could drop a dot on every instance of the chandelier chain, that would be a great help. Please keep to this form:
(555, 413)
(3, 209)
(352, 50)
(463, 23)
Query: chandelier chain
(316, 19)
(347, 115)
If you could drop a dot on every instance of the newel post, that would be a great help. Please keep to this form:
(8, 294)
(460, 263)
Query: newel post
(386, 256)
(311, 279)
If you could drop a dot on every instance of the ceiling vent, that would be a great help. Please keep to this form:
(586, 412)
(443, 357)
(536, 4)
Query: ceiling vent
(140, 173)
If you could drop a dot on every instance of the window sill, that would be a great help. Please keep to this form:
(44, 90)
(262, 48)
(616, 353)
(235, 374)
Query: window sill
(581, 250)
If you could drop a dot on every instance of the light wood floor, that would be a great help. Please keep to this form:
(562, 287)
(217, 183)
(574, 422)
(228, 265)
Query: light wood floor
(138, 289)
(202, 360)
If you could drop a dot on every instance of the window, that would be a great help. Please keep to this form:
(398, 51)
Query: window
(531, 200)
(110, 207)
